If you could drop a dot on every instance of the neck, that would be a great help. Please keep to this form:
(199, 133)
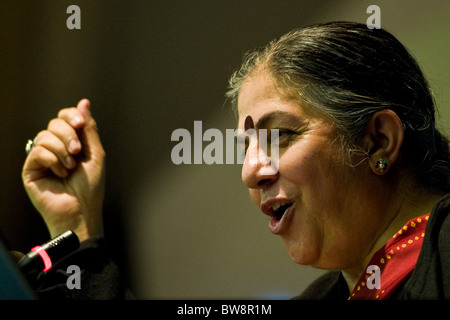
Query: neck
(406, 210)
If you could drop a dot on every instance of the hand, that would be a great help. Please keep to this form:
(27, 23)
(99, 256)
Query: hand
(63, 173)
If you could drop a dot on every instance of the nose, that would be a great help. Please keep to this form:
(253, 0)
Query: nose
(258, 171)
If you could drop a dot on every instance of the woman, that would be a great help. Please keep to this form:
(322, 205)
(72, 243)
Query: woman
(359, 159)
(362, 177)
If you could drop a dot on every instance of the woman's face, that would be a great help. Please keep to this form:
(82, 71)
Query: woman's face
(316, 201)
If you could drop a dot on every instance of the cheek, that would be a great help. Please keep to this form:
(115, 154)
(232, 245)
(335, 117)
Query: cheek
(321, 179)
(318, 169)
(306, 166)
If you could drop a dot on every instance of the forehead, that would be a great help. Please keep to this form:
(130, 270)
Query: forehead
(256, 89)
(260, 95)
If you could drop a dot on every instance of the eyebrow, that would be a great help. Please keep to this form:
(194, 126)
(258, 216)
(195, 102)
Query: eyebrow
(266, 119)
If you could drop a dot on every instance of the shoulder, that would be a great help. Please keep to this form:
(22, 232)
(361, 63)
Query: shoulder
(327, 286)
(431, 276)
(437, 235)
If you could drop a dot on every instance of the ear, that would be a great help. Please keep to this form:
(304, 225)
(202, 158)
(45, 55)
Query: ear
(383, 138)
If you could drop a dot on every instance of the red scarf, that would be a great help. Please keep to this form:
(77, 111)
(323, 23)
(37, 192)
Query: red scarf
(392, 264)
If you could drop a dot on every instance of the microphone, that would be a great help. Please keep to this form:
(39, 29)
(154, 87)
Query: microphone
(41, 258)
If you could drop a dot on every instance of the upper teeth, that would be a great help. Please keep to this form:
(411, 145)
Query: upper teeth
(277, 206)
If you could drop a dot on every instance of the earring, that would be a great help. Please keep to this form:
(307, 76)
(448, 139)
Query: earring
(380, 165)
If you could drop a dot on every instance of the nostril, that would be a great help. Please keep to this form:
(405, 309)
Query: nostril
(264, 182)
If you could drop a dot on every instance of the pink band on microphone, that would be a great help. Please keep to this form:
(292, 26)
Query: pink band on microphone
(45, 257)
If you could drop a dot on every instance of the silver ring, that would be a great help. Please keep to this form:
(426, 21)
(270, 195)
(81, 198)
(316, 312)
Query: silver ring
(29, 146)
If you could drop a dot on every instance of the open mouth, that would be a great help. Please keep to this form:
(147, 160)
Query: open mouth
(278, 210)
(280, 214)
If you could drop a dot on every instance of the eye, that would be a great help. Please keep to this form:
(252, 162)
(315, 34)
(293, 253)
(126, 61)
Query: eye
(284, 133)
(281, 135)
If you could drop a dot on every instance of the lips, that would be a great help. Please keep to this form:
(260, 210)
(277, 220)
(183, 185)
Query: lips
(280, 211)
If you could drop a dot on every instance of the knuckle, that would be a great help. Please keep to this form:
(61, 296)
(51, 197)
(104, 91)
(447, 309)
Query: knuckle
(61, 129)
(55, 123)
(71, 116)
(64, 112)
(40, 136)
(37, 152)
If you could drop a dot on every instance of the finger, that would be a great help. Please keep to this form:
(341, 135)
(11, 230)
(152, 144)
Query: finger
(72, 116)
(90, 137)
(54, 144)
(39, 161)
(66, 133)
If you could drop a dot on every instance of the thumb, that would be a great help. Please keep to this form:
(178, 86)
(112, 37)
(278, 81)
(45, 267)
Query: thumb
(90, 138)
(85, 108)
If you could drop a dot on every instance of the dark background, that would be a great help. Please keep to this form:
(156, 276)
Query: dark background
(150, 67)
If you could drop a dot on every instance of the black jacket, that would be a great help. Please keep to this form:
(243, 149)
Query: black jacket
(100, 276)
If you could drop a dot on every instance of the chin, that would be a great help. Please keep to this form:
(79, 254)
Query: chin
(303, 256)
(315, 259)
